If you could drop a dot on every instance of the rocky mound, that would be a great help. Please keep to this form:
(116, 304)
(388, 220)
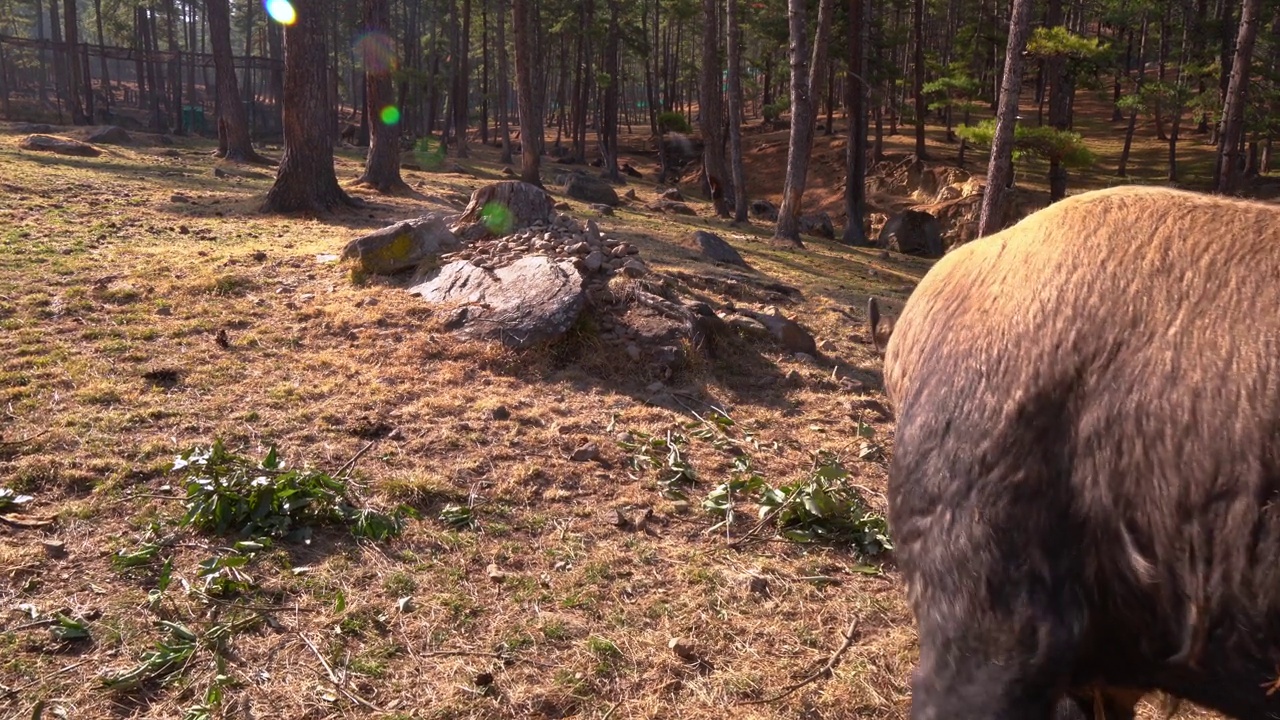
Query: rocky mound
(527, 277)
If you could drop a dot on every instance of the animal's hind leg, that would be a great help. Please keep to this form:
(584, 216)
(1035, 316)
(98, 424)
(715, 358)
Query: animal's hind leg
(956, 680)
(999, 622)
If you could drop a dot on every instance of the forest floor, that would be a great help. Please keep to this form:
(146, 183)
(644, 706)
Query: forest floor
(117, 274)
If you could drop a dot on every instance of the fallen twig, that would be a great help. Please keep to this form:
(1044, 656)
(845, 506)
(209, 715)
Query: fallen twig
(351, 464)
(333, 677)
(823, 672)
(23, 441)
(464, 653)
(14, 691)
(30, 625)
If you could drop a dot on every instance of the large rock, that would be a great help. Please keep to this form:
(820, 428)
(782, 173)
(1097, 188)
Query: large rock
(915, 232)
(401, 246)
(110, 135)
(786, 331)
(503, 208)
(764, 210)
(673, 208)
(717, 250)
(535, 299)
(818, 224)
(590, 189)
(58, 145)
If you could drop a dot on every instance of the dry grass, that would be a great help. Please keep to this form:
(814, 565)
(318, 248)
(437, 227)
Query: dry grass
(117, 272)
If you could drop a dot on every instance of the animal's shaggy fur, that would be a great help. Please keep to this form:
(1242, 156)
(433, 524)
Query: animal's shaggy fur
(1084, 486)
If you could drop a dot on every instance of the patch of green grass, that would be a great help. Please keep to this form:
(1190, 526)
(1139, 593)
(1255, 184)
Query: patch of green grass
(400, 584)
(555, 630)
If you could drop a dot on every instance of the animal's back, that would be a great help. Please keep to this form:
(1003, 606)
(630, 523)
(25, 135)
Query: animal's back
(1089, 426)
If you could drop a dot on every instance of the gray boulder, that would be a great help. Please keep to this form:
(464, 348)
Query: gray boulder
(717, 250)
(535, 299)
(590, 189)
(789, 333)
(818, 224)
(673, 208)
(915, 232)
(764, 210)
(401, 246)
(59, 146)
(110, 135)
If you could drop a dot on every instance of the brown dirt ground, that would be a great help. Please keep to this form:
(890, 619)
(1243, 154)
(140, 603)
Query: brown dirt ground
(130, 263)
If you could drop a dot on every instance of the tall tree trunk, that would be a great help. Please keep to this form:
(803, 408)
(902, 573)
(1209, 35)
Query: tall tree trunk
(275, 50)
(5, 108)
(462, 83)
(1227, 175)
(102, 58)
(155, 87)
(803, 77)
(828, 128)
(42, 79)
(504, 91)
(711, 108)
(59, 59)
(998, 169)
(1133, 113)
(382, 165)
(526, 100)
(1121, 75)
(139, 63)
(248, 49)
(918, 63)
(189, 39)
(609, 123)
(161, 81)
(734, 44)
(71, 61)
(305, 180)
(233, 125)
(484, 69)
(1056, 69)
(857, 96)
(1224, 70)
(174, 71)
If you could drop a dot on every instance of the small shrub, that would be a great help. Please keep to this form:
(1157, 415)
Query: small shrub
(824, 508)
(672, 121)
(228, 493)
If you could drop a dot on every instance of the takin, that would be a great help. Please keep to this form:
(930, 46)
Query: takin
(1085, 485)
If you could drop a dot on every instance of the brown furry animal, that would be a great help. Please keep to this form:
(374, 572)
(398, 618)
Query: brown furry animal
(1085, 487)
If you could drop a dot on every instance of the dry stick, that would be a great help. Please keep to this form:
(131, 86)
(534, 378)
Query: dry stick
(824, 672)
(333, 678)
(14, 691)
(457, 653)
(611, 711)
(23, 441)
(351, 464)
(28, 626)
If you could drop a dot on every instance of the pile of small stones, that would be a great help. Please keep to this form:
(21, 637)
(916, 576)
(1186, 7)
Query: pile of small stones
(596, 257)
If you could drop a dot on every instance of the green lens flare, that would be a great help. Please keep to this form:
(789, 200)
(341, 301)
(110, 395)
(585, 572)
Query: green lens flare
(497, 217)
